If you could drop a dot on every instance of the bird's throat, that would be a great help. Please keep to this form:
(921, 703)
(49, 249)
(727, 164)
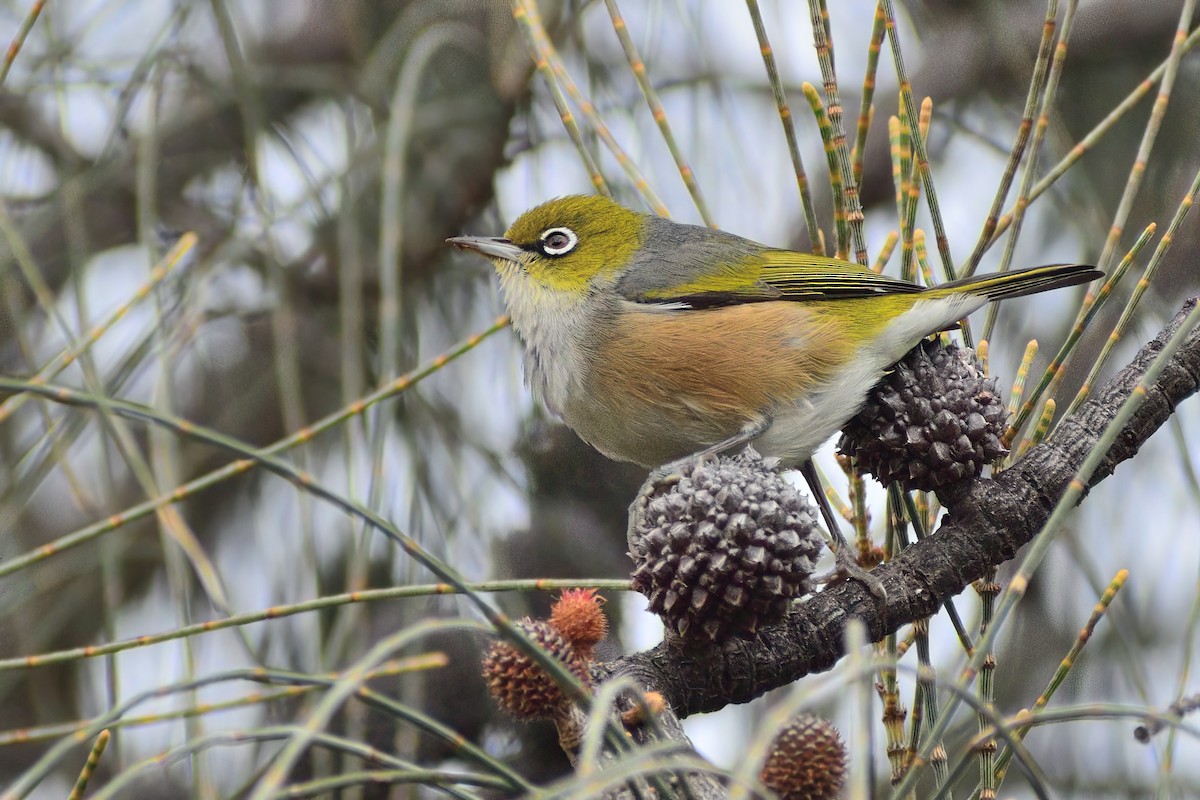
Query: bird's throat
(552, 326)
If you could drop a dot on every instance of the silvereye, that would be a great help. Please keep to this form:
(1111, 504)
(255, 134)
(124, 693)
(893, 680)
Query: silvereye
(656, 341)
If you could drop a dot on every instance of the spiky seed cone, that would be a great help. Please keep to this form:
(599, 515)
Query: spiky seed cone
(518, 684)
(934, 420)
(578, 616)
(724, 550)
(807, 760)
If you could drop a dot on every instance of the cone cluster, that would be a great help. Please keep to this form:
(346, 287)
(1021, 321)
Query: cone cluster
(725, 549)
(934, 420)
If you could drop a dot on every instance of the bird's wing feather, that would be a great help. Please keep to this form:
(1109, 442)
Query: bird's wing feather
(782, 275)
(802, 276)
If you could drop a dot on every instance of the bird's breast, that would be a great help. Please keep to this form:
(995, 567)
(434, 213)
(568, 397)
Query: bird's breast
(663, 384)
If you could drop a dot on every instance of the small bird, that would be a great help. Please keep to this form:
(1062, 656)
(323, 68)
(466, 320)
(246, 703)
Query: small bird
(658, 341)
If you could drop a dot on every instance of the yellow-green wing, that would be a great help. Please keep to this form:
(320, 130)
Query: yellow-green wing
(780, 275)
(802, 276)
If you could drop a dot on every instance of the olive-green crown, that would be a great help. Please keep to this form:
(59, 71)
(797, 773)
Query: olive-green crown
(607, 236)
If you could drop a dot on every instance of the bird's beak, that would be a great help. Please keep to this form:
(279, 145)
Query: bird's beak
(488, 246)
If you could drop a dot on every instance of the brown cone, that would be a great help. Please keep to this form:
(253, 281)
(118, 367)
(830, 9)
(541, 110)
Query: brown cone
(807, 761)
(519, 685)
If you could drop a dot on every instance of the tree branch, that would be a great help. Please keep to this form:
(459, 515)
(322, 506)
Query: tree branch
(988, 521)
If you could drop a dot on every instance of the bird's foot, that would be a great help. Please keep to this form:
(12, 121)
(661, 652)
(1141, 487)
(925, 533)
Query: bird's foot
(848, 569)
(664, 476)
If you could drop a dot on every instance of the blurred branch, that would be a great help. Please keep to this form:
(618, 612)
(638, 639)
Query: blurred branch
(989, 40)
(354, 53)
(20, 116)
(988, 521)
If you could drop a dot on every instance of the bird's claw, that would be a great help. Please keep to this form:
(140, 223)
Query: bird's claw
(666, 475)
(849, 569)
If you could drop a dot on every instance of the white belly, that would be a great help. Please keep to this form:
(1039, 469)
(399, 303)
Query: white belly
(798, 430)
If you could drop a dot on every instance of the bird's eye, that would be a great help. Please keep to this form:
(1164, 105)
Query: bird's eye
(558, 241)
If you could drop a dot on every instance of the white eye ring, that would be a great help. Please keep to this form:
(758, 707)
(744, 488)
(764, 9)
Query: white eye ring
(558, 248)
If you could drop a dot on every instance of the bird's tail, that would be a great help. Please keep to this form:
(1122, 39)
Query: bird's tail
(1020, 282)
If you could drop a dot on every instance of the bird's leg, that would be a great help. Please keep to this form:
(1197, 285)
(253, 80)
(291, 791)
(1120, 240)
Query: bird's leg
(670, 473)
(748, 432)
(846, 563)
